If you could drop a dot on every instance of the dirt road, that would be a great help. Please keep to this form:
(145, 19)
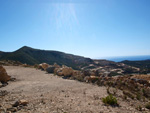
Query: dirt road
(47, 93)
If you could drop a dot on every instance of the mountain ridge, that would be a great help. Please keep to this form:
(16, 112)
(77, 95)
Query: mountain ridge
(35, 56)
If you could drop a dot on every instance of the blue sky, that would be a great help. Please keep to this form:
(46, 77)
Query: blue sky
(90, 28)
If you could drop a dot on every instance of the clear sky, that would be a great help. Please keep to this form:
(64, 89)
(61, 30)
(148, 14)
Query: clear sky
(90, 28)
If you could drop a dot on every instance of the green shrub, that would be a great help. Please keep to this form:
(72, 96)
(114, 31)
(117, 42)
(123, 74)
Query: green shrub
(110, 100)
(138, 97)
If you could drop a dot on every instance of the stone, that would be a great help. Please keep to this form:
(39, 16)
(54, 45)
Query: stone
(43, 66)
(12, 109)
(86, 79)
(40, 67)
(64, 71)
(3, 92)
(20, 102)
(23, 102)
(4, 78)
(67, 71)
(75, 73)
(58, 71)
(56, 65)
(50, 69)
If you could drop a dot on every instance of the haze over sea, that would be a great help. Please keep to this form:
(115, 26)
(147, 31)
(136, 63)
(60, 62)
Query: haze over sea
(130, 58)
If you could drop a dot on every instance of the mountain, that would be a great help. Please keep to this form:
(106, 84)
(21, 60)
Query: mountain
(36, 56)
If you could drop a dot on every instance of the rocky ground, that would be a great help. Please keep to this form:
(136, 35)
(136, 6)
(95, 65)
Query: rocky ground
(48, 93)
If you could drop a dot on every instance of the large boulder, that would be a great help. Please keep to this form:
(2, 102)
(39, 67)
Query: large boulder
(43, 66)
(40, 67)
(67, 71)
(64, 71)
(50, 69)
(58, 71)
(4, 78)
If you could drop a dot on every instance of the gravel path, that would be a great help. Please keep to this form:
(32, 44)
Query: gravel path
(47, 93)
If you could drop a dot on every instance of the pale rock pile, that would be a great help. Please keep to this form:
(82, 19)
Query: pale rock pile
(56, 69)
(67, 72)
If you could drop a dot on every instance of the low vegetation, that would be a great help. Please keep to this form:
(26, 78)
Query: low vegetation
(110, 100)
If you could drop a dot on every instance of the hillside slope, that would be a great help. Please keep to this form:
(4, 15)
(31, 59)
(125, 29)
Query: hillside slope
(144, 65)
(35, 56)
(139, 64)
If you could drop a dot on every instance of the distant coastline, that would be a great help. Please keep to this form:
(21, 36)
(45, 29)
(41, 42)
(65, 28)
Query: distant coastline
(130, 58)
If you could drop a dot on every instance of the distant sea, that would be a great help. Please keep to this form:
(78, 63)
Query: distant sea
(130, 58)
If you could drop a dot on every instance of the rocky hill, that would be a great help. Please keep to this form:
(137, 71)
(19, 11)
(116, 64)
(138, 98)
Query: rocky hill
(144, 65)
(139, 64)
(36, 56)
